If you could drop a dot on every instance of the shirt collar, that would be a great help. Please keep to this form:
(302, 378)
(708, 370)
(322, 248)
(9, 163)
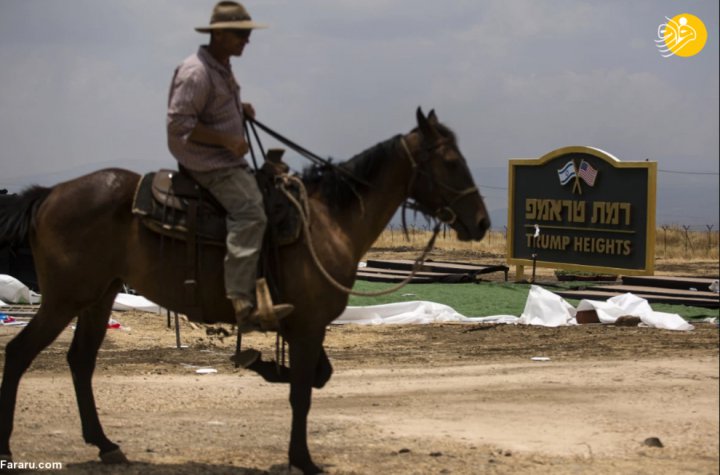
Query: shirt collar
(206, 57)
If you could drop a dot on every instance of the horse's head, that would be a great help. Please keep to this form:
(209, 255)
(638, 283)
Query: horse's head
(442, 185)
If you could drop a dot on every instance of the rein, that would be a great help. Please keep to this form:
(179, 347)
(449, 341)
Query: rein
(318, 160)
(304, 210)
(303, 205)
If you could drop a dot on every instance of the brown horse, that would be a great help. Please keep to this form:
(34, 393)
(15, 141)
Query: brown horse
(86, 243)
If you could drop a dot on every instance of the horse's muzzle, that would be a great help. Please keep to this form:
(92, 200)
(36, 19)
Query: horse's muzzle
(481, 228)
(472, 232)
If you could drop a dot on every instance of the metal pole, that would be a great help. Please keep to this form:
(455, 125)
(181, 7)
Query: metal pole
(177, 329)
(238, 346)
(534, 253)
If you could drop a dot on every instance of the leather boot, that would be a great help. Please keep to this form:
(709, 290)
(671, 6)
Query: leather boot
(249, 319)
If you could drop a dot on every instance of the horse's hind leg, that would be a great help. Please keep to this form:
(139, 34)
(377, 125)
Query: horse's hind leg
(42, 330)
(89, 335)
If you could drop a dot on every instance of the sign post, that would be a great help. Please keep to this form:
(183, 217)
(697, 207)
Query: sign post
(596, 213)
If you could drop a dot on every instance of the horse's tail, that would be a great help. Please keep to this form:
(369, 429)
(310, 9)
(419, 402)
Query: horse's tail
(17, 214)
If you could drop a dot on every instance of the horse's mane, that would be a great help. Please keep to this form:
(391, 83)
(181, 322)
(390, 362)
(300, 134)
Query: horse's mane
(337, 187)
(17, 214)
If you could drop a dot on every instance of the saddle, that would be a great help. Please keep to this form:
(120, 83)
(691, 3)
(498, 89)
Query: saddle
(171, 203)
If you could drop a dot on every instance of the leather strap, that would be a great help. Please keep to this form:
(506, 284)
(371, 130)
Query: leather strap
(191, 258)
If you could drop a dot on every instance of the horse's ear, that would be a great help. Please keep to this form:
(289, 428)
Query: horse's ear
(425, 126)
(432, 118)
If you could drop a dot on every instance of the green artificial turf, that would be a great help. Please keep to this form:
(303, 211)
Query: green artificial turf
(486, 298)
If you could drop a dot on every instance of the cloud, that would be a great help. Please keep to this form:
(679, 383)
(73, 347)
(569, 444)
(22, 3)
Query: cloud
(76, 114)
(503, 28)
(85, 82)
(636, 111)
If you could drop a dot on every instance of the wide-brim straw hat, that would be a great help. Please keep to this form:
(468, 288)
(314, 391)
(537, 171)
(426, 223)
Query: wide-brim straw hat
(230, 16)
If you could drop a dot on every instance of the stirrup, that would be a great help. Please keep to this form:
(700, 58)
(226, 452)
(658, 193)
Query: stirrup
(267, 314)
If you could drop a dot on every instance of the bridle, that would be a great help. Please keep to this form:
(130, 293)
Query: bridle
(445, 213)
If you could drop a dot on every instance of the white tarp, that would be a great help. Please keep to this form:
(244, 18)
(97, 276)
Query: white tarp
(542, 307)
(547, 309)
(629, 304)
(416, 312)
(14, 291)
(134, 302)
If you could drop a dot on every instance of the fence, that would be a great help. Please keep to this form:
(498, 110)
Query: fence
(682, 241)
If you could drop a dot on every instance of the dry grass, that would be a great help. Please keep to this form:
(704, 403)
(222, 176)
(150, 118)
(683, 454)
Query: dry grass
(394, 239)
(672, 244)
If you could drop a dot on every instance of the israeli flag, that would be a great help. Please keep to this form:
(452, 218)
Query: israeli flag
(567, 173)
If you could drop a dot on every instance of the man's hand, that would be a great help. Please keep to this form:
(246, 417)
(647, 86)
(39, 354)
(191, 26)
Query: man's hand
(237, 145)
(248, 110)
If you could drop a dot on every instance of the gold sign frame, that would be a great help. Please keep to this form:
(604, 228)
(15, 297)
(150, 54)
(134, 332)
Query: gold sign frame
(513, 220)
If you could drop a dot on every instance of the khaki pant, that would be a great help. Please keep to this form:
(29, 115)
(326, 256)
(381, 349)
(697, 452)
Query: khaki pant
(236, 189)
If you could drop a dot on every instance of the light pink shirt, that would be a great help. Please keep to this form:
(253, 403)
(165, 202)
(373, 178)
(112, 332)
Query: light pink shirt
(204, 91)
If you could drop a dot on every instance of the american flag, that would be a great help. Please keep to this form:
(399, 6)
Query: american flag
(587, 173)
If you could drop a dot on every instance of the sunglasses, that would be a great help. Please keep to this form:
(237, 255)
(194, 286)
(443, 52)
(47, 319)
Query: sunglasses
(242, 34)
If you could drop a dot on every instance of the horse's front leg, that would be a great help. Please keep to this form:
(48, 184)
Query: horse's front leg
(303, 362)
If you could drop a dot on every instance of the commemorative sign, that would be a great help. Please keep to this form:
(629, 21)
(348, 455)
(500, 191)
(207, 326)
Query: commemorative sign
(580, 208)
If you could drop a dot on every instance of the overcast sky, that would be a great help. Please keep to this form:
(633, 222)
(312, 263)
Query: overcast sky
(83, 83)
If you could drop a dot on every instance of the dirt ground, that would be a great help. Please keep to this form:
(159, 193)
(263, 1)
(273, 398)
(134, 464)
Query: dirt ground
(451, 398)
(425, 399)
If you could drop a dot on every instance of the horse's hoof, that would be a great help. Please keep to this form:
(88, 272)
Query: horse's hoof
(114, 457)
(312, 469)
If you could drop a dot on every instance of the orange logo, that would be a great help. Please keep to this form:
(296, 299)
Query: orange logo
(682, 35)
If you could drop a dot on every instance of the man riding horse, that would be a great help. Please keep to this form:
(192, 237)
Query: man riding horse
(82, 268)
(205, 128)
